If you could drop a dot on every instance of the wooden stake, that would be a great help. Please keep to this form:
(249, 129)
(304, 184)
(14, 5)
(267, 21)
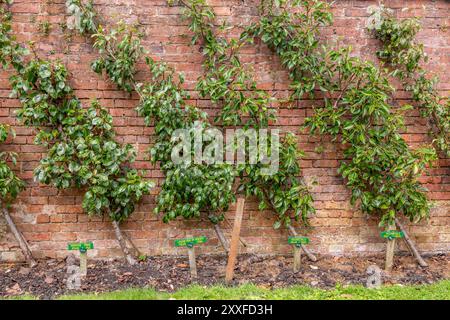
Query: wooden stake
(234, 247)
(83, 264)
(20, 239)
(308, 253)
(297, 258)
(390, 247)
(133, 247)
(411, 245)
(192, 262)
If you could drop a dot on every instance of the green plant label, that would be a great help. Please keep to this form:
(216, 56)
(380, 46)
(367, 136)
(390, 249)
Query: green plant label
(392, 234)
(82, 246)
(298, 240)
(190, 242)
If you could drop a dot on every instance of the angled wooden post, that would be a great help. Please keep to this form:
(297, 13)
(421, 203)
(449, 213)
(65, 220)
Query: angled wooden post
(297, 258)
(390, 247)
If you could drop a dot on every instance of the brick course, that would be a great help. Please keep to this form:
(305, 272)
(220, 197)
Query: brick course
(50, 218)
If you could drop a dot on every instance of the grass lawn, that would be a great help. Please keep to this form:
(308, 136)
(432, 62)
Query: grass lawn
(437, 291)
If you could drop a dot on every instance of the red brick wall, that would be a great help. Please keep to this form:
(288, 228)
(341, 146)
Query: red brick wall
(50, 218)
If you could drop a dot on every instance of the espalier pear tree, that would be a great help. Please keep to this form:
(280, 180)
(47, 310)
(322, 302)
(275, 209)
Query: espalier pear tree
(406, 57)
(10, 184)
(353, 108)
(189, 191)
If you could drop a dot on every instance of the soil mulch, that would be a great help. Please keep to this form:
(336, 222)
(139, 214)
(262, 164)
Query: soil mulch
(168, 273)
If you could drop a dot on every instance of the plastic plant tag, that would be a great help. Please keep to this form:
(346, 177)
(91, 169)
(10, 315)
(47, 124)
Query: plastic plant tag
(392, 234)
(190, 242)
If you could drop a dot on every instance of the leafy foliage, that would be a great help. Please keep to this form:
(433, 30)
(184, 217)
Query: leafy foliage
(120, 48)
(10, 184)
(227, 83)
(282, 192)
(82, 151)
(405, 55)
(189, 189)
(11, 53)
(381, 170)
(83, 15)
(119, 51)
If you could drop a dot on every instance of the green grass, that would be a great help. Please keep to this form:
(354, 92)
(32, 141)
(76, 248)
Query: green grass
(437, 291)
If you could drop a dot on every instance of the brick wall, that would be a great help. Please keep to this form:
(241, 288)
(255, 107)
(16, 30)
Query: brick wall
(50, 218)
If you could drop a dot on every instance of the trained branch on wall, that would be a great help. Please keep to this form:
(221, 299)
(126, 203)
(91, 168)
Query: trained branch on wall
(189, 190)
(406, 57)
(82, 151)
(381, 171)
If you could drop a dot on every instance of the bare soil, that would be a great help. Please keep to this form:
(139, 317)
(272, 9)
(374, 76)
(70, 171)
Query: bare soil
(168, 273)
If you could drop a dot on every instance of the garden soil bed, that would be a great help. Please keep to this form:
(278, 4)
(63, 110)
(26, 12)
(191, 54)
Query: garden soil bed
(168, 273)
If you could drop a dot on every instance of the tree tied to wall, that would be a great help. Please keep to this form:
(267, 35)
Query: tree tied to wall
(188, 191)
(406, 56)
(81, 147)
(381, 171)
(10, 184)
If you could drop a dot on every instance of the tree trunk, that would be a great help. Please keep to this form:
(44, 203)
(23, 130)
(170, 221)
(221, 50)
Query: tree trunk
(20, 239)
(310, 255)
(222, 238)
(411, 245)
(123, 244)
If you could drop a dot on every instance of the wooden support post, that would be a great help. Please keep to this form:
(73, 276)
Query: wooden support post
(390, 247)
(297, 257)
(234, 246)
(411, 245)
(83, 263)
(192, 261)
